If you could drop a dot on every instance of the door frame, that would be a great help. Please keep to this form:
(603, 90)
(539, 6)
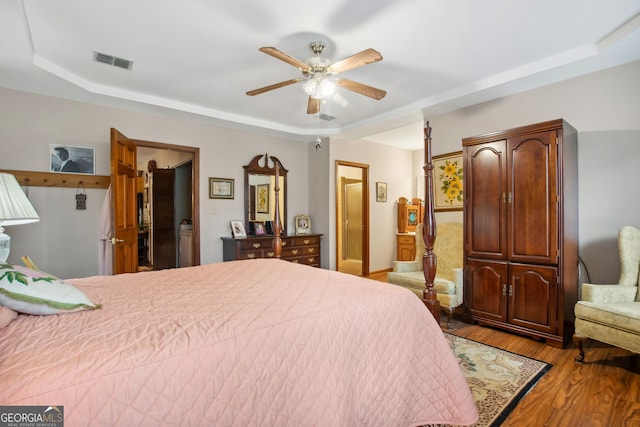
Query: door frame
(365, 212)
(195, 187)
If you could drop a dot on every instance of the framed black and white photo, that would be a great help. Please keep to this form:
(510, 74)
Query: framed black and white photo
(237, 229)
(303, 224)
(69, 159)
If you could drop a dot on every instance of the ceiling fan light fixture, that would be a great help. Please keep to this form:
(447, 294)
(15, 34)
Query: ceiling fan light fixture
(318, 80)
(319, 86)
(326, 87)
(310, 87)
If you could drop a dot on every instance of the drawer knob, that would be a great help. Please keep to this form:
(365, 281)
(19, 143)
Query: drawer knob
(306, 241)
(284, 243)
(251, 255)
(270, 254)
(294, 251)
(256, 245)
(312, 259)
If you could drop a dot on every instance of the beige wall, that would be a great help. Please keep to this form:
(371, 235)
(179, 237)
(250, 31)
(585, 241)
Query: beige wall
(386, 164)
(604, 107)
(65, 241)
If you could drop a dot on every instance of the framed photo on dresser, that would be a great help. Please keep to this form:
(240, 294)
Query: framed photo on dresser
(237, 229)
(303, 224)
(259, 228)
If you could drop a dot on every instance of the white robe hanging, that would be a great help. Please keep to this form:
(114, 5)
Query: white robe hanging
(105, 248)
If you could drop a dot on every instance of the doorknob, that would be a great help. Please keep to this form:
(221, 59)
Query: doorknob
(114, 241)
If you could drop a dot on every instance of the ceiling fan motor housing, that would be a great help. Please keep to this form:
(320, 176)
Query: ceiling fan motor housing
(317, 47)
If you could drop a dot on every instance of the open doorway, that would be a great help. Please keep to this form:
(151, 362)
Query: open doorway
(165, 217)
(167, 199)
(352, 218)
(165, 206)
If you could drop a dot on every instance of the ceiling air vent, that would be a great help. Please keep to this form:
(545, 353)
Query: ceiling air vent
(112, 60)
(326, 117)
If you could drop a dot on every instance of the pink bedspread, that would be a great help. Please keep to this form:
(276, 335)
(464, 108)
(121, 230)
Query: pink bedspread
(243, 343)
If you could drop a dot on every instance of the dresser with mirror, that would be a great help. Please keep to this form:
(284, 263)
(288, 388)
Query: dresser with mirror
(259, 217)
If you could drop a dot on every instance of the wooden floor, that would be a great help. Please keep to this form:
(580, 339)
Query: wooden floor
(604, 391)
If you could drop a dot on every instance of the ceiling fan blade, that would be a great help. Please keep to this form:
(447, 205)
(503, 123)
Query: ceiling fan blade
(286, 58)
(313, 106)
(362, 89)
(365, 57)
(272, 87)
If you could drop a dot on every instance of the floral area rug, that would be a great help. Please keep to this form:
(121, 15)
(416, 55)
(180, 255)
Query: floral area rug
(498, 379)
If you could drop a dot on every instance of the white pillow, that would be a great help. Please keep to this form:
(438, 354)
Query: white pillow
(33, 292)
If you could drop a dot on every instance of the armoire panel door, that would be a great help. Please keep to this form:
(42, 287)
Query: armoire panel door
(487, 284)
(533, 297)
(532, 200)
(485, 185)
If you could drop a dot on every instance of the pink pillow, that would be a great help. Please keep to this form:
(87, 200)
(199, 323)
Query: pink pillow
(32, 273)
(6, 316)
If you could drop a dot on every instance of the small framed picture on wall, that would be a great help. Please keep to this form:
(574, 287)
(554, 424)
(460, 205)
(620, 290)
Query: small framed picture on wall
(381, 191)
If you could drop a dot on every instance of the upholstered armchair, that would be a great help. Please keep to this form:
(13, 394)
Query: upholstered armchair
(611, 313)
(448, 283)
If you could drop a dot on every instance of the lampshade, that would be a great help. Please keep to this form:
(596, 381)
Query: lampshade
(15, 208)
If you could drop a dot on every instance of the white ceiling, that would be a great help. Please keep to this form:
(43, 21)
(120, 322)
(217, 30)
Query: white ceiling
(199, 57)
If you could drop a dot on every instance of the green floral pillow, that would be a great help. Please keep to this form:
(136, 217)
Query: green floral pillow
(32, 292)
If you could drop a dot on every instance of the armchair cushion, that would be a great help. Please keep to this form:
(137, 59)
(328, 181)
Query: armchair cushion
(415, 279)
(448, 282)
(611, 313)
(620, 316)
(407, 266)
(608, 294)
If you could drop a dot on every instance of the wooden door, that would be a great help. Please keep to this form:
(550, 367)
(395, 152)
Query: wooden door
(532, 198)
(163, 223)
(487, 284)
(485, 205)
(533, 295)
(125, 209)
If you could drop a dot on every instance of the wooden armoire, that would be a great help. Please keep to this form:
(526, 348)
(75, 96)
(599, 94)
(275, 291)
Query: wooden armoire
(521, 229)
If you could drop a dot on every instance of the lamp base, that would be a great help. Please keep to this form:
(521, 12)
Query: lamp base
(4, 246)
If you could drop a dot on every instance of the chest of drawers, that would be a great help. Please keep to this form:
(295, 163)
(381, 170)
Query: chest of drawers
(303, 249)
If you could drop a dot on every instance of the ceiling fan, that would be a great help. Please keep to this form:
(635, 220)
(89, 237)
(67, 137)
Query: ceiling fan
(318, 75)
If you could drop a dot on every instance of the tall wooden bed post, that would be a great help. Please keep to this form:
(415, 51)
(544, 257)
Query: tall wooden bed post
(429, 259)
(277, 226)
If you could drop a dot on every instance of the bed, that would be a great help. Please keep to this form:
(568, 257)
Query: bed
(254, 342)
(261, 342)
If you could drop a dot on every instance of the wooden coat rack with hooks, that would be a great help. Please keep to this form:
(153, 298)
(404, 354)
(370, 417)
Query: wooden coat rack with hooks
(54, 179)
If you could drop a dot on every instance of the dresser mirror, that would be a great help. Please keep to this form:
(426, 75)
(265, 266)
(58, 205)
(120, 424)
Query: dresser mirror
(259, 192)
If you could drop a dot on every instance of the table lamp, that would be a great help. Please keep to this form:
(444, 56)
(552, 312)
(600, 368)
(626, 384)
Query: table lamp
(15, 208)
